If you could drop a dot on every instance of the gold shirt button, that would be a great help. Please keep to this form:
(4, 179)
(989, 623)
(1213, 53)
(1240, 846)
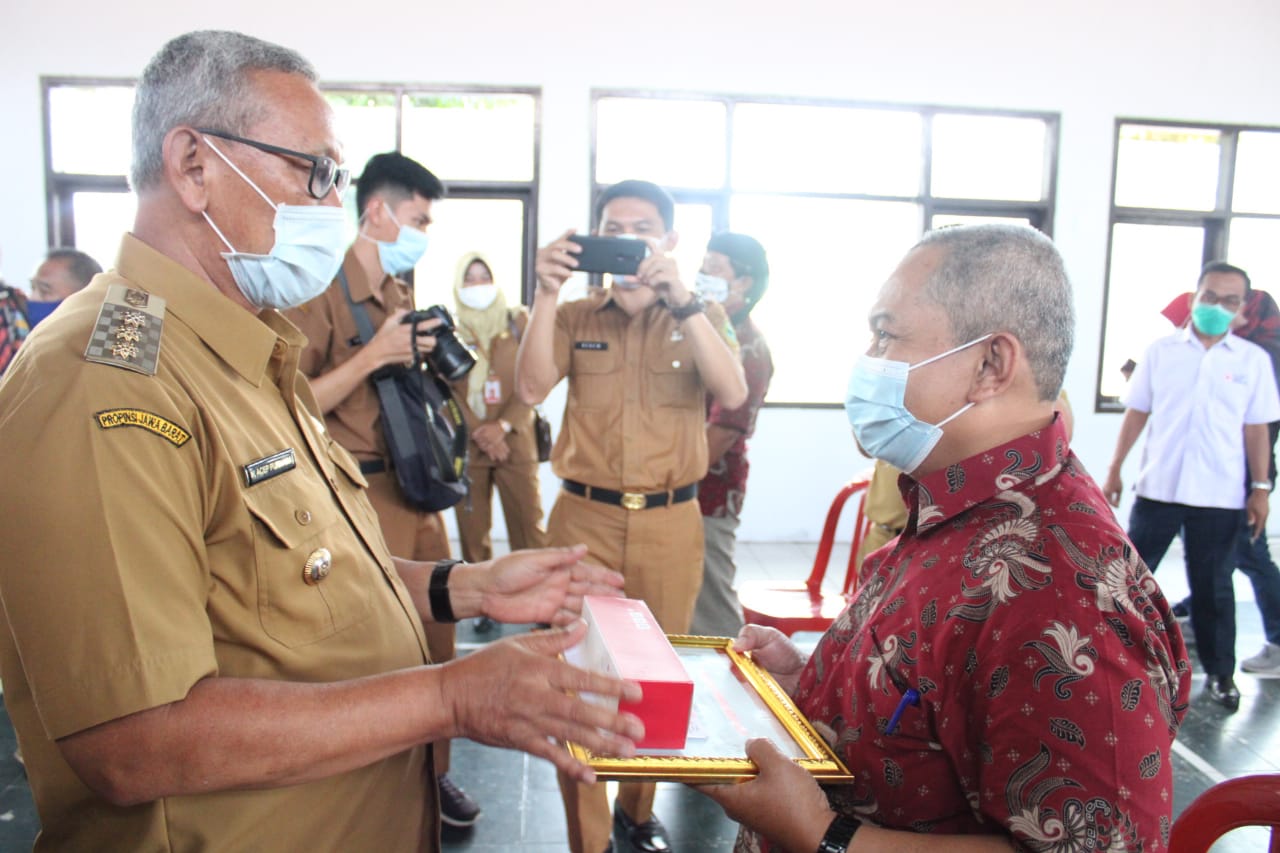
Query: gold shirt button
(317, 566)
(303, 516)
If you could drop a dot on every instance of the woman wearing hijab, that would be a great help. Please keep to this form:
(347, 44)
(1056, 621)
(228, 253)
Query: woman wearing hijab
(503, 452)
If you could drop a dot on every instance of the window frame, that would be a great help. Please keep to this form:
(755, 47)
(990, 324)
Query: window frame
(1039, 213)
(1216, 222)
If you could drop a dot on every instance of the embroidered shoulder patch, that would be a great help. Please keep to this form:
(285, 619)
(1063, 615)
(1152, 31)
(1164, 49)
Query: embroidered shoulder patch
(163, 427)
(127, 333)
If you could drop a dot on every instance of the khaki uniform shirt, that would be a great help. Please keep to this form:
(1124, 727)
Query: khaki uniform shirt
(636, 410)
(332, 339)
(508, 407)
(147, 551)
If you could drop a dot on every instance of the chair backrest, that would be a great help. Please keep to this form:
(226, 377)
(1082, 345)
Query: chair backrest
(856, 486)
(1246, 801)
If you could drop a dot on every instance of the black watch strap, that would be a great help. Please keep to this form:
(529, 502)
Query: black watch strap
(438, 592)
(695, 305)
(839, 834)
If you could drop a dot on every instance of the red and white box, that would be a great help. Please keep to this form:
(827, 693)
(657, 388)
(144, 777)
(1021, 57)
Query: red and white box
(625, 641)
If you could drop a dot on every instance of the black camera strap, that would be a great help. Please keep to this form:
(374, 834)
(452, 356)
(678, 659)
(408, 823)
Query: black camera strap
(393, 411)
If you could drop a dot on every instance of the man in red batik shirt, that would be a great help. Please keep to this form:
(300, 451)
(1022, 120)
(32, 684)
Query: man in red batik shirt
(1009, 674)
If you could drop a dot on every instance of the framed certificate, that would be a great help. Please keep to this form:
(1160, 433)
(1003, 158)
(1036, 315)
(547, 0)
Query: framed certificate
(733, 700)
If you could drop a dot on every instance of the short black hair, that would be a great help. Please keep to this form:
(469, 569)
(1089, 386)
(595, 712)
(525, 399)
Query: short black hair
(747, 257)
(1224, 267)
(645, 190)
(81, 267)
(402, 175)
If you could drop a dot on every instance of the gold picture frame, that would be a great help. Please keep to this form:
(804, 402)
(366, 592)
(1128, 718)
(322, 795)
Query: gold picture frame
(734, 699)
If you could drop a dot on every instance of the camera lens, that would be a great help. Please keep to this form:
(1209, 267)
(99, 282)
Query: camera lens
(450, 358)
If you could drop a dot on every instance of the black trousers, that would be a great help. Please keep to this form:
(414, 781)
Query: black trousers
(1209, 536)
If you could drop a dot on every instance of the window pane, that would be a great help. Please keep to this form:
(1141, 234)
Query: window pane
(366, 125)
(1253, 249)
(101, 219)
(673, 143)
(942, 220)
(89, 128)
(988, 157)
(827, 261)
(492, 227)
(826, 149)
(471, 137)
(1150, 265)
(1167, 167)
(1257, 188)
(693, 224)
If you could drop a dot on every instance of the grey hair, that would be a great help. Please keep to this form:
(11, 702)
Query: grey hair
(201, 79)
(1007, 278)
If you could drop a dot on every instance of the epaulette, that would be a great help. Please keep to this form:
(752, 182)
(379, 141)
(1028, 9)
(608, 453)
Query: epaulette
(127, 333)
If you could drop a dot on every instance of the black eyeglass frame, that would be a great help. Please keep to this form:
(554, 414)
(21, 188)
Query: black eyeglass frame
(338, 178)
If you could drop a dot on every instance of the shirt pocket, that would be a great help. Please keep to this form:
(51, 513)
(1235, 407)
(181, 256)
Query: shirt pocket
(673, 378)
(597, 375)
(347, 464)
(296, 527)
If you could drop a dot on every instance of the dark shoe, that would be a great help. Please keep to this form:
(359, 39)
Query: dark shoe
(1182, 610)
(1222, 688)
(647, 837)
(456, 808)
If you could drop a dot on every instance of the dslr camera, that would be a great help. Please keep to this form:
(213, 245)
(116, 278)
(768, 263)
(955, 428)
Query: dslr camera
(450, 359)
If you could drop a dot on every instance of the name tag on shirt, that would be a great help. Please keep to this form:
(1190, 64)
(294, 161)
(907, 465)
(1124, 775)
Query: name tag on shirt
(591, 345)
(269, 466)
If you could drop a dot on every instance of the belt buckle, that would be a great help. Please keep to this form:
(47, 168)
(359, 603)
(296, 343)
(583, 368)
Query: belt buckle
(632, 500)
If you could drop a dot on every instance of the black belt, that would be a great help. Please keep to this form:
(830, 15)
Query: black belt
(373, 466)
(631, 500)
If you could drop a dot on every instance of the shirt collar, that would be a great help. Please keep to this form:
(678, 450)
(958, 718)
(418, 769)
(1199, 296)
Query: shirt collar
(1016, 465)
(242, 340)
(1230, 340)
(361, 288)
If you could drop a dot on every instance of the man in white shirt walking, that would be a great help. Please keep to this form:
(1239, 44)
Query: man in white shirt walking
(1198, 390)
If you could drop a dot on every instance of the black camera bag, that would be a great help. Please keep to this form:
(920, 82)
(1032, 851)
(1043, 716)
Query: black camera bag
(423, 425)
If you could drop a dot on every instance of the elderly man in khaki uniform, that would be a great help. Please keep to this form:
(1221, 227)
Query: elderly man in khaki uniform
(641, 357)
(209, 645)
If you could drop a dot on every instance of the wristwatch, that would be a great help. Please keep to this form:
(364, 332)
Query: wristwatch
(438, 591)
(839, 834)
(1265, 485)
(695, 305)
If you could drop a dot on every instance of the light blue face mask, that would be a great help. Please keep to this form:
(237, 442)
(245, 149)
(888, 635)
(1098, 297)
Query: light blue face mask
(711, 288)
(310, 241)
(402, 254)
(875, 404)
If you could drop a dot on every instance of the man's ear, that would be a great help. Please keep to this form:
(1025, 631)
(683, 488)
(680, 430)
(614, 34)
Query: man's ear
(184, 161)
(1001, 355)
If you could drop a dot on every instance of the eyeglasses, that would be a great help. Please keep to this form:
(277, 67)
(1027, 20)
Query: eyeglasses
(326, 174)
(1231, 303)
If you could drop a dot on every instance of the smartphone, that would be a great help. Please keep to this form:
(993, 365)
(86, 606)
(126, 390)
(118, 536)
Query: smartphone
(616, 255)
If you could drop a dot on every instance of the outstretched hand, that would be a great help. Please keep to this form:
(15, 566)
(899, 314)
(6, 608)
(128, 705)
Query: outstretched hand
(516, 693)
(544, 586)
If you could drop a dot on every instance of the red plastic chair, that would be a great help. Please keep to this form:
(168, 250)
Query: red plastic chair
(1247, 801)
(804, 607)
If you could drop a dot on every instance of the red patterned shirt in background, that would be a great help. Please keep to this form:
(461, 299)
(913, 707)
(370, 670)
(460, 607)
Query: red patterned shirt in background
(1052, 676)
(725, 484)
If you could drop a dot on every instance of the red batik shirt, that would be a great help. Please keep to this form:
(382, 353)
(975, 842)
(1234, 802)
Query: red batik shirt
(725, 486)
(1052, 676)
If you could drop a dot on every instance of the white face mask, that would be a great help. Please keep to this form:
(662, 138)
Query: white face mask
(310, 241)
(478, 296)
(711, 288)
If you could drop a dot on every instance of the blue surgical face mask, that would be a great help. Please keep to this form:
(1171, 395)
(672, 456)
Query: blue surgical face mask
(711, 288)
(1211, 320)
(875, 404)
(310, 241)
(38, 311)
(403, 253)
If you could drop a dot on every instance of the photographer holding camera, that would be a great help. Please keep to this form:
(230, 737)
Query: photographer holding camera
(641, 356)
(394, 198)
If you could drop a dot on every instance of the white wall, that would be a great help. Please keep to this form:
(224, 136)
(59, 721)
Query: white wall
(1090, 60)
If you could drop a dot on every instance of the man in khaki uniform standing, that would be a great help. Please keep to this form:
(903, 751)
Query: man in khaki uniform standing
(225, 656)
(641, 357)
(394, 197)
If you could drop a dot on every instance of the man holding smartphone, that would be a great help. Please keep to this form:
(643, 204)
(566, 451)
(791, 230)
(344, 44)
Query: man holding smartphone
(640, 355)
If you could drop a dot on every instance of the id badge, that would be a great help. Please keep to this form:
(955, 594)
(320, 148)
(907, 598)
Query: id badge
(492, 391)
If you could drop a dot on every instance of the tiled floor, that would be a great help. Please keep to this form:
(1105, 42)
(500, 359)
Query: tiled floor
(522, 809)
